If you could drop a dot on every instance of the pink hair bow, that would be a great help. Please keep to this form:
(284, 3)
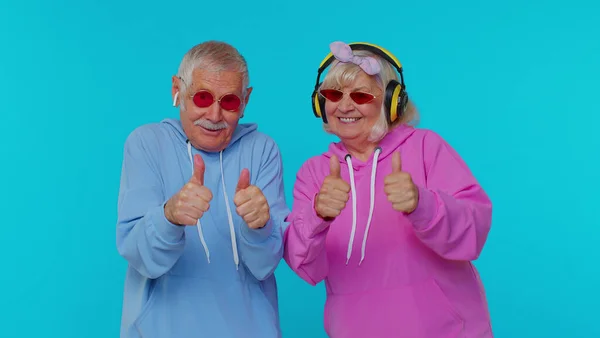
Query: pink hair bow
(343, 53)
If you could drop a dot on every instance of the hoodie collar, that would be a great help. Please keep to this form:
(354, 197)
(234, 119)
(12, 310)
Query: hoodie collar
(390, 143)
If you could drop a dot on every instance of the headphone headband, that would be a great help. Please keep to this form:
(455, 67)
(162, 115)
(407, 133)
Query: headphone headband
(377, 50)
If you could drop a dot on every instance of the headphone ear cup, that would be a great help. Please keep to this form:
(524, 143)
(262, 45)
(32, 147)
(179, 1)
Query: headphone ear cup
(322, 108)
(318, 105)
(402, 102)
(392, 102)
(315, 104)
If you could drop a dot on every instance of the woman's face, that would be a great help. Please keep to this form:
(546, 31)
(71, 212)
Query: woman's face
(352, 111)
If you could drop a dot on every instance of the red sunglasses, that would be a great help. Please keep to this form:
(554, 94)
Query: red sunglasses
(335, 95)
(204, 99)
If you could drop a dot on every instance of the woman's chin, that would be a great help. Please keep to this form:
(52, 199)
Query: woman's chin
(352, 135)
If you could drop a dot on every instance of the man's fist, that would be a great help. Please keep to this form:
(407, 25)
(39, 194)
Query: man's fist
(188, 205)
(251, 203)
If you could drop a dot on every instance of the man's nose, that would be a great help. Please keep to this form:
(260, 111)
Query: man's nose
(214, 112)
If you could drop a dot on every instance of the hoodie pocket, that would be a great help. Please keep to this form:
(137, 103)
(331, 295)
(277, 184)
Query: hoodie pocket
(419, 310)
(146, 310)
(183, 307)
(437, 314)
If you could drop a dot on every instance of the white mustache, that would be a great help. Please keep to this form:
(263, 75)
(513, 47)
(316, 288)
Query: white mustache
(211, 126)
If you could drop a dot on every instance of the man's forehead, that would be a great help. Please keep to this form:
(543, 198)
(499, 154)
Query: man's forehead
(227, 79)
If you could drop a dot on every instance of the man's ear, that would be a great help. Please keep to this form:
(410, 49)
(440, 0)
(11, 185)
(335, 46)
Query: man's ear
(247, 98)
(175, 90)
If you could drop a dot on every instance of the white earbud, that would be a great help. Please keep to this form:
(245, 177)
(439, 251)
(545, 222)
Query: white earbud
(175, 99)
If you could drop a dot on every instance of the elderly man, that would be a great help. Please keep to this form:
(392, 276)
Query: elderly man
(201, 211)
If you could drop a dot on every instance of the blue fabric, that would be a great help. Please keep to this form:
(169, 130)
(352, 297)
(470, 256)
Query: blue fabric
(170, 288)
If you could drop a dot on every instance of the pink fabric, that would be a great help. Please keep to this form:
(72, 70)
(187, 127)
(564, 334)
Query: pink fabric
(417, 279)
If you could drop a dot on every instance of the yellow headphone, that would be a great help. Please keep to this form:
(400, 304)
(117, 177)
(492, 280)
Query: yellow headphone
(396, 96)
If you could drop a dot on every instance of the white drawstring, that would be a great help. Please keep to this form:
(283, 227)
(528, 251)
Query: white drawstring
(353, 191)
(236, 258)
(198, 225)
(371, 207)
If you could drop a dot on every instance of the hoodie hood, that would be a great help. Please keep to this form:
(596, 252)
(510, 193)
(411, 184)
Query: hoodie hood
(390, 143)
(240, 131)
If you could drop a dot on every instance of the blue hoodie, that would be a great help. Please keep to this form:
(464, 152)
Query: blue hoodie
(191, 281)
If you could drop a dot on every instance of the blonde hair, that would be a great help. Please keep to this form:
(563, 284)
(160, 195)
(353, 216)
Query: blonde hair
(343, 74)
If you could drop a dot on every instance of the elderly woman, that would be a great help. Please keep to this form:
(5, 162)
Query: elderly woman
(390, 217)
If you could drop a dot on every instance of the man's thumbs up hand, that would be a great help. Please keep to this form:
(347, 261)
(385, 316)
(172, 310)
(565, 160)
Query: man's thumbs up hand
(251, 203)
(188, 205)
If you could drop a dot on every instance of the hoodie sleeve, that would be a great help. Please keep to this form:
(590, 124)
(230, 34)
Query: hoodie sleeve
(261, 249)
(145, 238)
(306, 234)
(454, 214)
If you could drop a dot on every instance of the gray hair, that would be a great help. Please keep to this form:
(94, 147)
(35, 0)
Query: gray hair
(213, 56)
(342, 74)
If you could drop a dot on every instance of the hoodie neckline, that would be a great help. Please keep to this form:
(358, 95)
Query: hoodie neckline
(390, 143)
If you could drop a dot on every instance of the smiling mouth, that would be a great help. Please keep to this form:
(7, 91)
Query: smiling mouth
(349, 119)
(212, 128)
(211, 131)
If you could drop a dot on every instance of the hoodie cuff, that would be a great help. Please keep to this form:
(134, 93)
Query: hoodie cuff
(165, 230)
(426, 210)
(313, 224)
(257, 235)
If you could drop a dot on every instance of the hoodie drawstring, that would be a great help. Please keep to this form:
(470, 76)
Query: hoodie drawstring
(229, 215)
(236, 258)
(371, 206)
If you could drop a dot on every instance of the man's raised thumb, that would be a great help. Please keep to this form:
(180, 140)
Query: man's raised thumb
(198, 175)
(244, 181)
(334, 166)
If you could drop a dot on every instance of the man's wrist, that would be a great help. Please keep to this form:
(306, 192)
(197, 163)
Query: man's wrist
(168, 216)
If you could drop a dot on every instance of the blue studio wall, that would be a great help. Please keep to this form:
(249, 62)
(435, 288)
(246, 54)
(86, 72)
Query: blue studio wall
(510, 84)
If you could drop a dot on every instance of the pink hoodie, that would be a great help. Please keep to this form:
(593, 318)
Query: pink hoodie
(416, 279)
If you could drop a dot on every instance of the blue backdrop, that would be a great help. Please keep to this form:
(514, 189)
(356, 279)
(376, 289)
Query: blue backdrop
(509, 84)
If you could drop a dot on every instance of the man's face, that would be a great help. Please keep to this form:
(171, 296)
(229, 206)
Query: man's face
(212, 107)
